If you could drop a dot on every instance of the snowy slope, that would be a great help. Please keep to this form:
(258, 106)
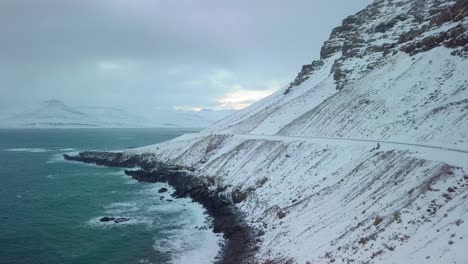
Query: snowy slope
(363, 158)
(333, 192)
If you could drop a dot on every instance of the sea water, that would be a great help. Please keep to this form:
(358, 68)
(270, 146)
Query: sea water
(50, 208)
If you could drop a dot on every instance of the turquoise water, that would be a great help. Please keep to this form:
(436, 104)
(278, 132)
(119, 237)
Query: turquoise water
(49, 208)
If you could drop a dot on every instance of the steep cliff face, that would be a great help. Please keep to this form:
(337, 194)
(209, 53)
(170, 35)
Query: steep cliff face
(386, 27)
(363, 157)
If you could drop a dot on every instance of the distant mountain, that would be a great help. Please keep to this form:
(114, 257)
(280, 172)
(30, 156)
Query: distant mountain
(199, 119)
(55, 114)
(117, 117)
(52, 113)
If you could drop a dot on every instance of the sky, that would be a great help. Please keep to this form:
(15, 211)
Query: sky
(152, 55)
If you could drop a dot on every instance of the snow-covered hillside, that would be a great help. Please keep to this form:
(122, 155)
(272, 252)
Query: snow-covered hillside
(363, 158)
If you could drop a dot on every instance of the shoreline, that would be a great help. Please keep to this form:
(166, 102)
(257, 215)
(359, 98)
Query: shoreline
(239, 246)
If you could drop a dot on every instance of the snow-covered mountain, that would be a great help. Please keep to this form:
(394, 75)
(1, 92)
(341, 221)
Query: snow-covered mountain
(180, 118)
(363, 158)
(52, 113)
(117, 117)
(56, 114)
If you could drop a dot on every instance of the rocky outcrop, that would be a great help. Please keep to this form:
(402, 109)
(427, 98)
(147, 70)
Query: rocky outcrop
(116, 220)
(240, 240)
(305, 73)
(386, 27)
(110, 159)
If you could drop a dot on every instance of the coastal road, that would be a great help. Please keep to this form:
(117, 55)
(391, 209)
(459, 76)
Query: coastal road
(320, 139)
(448, 154)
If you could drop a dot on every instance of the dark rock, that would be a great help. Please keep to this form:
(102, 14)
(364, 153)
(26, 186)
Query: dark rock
(281, 214)
(238, 196)
(304, 74)
(106, 219)
(110, 159)
(378, 220)
(162, 190)
(115, 220)
(384, 26)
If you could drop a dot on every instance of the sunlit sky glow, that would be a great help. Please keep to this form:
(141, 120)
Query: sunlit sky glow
(152, 55)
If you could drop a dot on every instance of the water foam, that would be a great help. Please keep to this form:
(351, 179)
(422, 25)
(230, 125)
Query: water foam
(30, 150)
(67, 149)
(191, 241)
(186, 237)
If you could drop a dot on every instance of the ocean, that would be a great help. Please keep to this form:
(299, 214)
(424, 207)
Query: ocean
(50, 208)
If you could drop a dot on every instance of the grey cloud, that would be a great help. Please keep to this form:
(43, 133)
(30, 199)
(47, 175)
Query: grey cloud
(51, 48)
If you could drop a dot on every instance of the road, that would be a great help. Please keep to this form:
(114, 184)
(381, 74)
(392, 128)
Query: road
(448, 154)
(320, 139)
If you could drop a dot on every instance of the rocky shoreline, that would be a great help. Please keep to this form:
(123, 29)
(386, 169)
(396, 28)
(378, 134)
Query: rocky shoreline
(227, 219)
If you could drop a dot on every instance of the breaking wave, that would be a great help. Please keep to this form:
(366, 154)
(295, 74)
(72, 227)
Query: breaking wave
(30, 150)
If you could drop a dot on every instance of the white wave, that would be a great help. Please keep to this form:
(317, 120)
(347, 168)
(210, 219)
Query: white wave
(55, 158)
(186, 241)
(128, 179)
(124, 204)
(182, 237)
(115, 173)
(131, 181)
(31, 150)
(208, 248)
(190, 245)
(114, 211)
(153, 189)
(67, 149)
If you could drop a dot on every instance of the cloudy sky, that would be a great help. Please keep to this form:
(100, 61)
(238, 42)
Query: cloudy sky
(158, 54)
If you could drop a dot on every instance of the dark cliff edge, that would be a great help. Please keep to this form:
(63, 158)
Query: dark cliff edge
(239, 237)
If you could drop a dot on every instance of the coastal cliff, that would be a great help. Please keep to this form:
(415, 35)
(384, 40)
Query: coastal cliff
(361, 159)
